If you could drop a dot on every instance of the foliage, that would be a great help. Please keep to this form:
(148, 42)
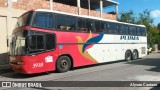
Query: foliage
(127, 17)
(158, 27)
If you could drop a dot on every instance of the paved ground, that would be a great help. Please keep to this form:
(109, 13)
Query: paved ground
(146, 69)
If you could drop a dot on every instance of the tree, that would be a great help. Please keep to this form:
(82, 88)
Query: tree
(153, 37)
(127, 17)
(145, 18)
(158, 27)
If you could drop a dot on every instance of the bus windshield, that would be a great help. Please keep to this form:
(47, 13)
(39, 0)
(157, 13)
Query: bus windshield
(18, 44)
(24, 20)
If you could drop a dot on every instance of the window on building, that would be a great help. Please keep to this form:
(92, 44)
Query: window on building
(43, 20)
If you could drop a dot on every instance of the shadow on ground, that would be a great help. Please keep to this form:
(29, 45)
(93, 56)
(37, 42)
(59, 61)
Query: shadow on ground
(155, 62)
(149, 62)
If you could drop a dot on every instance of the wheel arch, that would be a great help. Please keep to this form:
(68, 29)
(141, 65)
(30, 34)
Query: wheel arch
(68, 55)
(126, 52)
(136, 51)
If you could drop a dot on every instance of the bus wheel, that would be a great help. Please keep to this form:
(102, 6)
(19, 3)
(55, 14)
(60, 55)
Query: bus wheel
(128, 55)
(63, 64)
(135, 54)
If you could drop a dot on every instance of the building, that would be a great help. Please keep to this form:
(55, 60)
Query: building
(10, 10)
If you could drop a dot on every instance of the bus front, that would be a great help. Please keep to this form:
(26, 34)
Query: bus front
(29, 51)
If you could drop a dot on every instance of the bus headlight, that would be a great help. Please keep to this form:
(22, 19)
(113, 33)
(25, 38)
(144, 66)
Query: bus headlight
(20, 63)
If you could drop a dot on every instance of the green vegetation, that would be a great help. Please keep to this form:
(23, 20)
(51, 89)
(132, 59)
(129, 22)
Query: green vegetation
(143, 18)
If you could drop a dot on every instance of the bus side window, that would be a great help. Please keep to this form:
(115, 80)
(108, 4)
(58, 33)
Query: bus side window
(112, 28)
(120, 29)
(82, 25)
(138, 31)
(89, 24)
(143, 31)
(50, 41)
(109, 28)
(132, 30)
(70, 23)
(135, 31)
(102, 26)
(124, 29)
(36, 43)
(43, 20)
(60, 22)
(98, 26)
(105, 27)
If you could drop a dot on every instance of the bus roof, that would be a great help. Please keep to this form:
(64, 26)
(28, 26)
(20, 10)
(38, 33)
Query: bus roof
(90, 17)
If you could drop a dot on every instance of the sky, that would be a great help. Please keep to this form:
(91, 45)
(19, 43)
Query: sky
(139, 6)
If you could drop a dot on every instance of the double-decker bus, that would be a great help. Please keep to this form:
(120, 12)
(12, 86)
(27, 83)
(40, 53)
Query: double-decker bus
(46, 40)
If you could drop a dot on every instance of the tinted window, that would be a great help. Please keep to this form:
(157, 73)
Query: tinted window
(37, 43)
(43, 20)
(60, 21)
(105, 27)
(123, 29)
(70, 23)
(102, 27)
(138, 31)
(50, 41)
(64, 22)
(143, 31)
(112, 28)
(24, 20)
(82, 25)
(132, 30)
(98, 26)
(89, 25)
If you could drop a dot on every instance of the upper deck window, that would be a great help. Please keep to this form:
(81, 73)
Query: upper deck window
(24, 20)
(132, 30)
(112, 28)
(123, 29)
(65, 22)
(43, 20)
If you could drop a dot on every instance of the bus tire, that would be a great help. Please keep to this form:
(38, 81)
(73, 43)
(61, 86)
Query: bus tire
(128, 55)
(135, 54)
(63, 64)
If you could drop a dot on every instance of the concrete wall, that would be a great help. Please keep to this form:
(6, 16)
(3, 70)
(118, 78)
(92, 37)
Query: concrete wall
(7, 25)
